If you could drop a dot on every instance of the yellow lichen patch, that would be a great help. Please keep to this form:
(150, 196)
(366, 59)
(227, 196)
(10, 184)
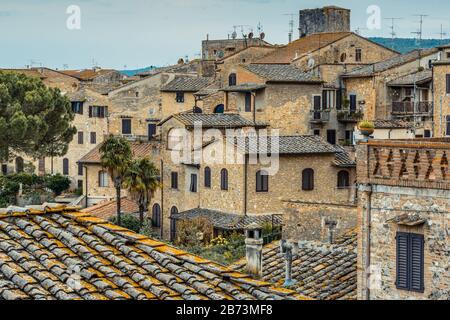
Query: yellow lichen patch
(90, 220)
(194, 259)
(171, 251)
(74, 215)
(98, 296)
(238, 275)
(112, 227)
(319, 267)
(132, 235)
(151, 243)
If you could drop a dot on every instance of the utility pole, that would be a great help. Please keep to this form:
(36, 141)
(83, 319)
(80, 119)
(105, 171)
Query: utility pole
(393, 33)
(291, 26)
(419, 33)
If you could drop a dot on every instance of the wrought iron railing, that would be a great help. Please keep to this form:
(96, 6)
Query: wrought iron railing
(409, 107)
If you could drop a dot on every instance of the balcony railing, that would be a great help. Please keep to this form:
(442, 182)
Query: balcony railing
(411, 108)
(350, 116)
(320, 116)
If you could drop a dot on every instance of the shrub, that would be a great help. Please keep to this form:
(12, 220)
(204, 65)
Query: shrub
(57, 183)
(128, 221)
(194, 232)
(366, 125)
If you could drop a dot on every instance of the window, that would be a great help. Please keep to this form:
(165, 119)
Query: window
(427, 133)
(65, 166)
(41, 165)
(173, 211)
(448, 126)
(343, 179)
(232, 79)
(193, 187)
(98, 112)
(207, 177)
(103, 179)
(174, 180)
(410, 262)
(19, 165)
(219, 109)
(4, 169)
(77, 107)
(349, 137)
(173, 227)
(308, 180)
(224, 179)
(156, 216)
(339, 99)
(93, 138)
(137, 94)
(80, 185)
(331, 136)
(126, 126)
(317, 105)
(248, 102)
(317, 132)
(80, 169)
(448, 55)
(328, 99)
(447, 79)
(151, 130)
(352, 102)
(358, 55)
(180, 97)
(343, 57)
(262, 181)
(80, 137)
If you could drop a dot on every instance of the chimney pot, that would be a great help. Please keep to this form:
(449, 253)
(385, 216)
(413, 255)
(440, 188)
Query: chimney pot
(253, 247)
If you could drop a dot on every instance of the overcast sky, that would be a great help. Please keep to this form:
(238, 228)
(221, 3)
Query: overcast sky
(140, 33)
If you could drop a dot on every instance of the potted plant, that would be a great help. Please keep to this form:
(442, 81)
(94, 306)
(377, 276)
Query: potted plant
(366, 127)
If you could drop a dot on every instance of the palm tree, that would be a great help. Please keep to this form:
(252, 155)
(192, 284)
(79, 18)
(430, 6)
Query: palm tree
(116, 155)
(141, 179)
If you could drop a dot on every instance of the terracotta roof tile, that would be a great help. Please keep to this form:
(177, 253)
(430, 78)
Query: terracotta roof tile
(282, 73)
(108, 209)
(187, 84)
(57, 255)
(140, 150)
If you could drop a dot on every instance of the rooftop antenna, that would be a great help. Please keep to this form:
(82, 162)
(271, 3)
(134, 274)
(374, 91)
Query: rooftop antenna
(419, 32)
(359, 29)
(291, 25)
(442, 34)
(393, 34)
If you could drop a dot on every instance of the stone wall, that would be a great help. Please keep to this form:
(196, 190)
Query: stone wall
(328, 19)
(441, 99)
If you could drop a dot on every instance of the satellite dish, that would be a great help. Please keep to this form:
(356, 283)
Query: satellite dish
(251, 35)
(262, 35)
(311, 63)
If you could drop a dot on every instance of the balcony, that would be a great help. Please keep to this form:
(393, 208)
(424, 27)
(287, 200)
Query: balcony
(412, 108)
(320, 116)
(350, 116)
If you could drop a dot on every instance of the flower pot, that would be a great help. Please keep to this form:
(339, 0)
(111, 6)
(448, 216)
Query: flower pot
(367, 131)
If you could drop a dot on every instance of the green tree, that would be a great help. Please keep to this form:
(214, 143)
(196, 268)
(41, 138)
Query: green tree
(34, 120)
(141, 179)
(116, 156)
(57, 183)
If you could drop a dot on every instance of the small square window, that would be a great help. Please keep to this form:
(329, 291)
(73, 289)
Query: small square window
(180, 97)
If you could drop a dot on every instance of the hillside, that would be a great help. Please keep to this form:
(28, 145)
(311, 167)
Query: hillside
(404, 45)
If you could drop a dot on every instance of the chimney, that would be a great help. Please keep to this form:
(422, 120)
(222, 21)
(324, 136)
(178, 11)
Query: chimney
(253, 250)
(331, 225)
(288, 249)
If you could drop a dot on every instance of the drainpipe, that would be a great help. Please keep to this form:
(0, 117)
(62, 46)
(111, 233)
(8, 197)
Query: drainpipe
(162, 199)
(367, 208)
(245, 183)
(254, 106)
(86, 185)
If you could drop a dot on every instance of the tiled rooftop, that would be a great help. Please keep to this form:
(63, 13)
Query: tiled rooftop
(413, 78)
(64, 254)
(387, 64)
(226, 120)
(282, 73)
(228, 221)
(300, 47)
(392, 124)
(287, 145)
(108, 209)
(322, 271)
(187, 84)
(139, 149)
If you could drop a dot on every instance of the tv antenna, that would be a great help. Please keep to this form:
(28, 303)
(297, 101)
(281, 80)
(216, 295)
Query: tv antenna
(291, 25)
(419, 33)
(393, 34)
(442, 34)
(359, 29)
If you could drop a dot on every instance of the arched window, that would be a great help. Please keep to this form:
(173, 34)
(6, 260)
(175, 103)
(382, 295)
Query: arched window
(19, 165)
(65, 166)
(262, 181)
(224, 179)
(308, 180)
(343, 179)
(197, 110)
(156, 216)
(207, 177)
(173, 211)
(219, 109)
(232, 79)
(103, 179)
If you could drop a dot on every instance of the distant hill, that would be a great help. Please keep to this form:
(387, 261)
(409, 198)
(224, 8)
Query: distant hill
(131, 73)
(404, 45)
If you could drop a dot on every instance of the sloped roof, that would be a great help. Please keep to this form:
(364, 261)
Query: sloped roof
(226, 120)
(390, 63)
(287, 54)
(343, 159)
(286, 145)
(66, 255)
(245, 87)
(281, 73)
(139, 149)
(87, 74)
(34, 73)
(228, 221)
(108, 209)
(187, 84)
(413, 78)
(392, 124)
(322, 271)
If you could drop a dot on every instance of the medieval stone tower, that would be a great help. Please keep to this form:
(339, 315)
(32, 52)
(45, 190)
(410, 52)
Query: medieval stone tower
(326, 19)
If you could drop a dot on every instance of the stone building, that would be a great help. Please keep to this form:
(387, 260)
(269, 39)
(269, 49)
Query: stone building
(219, 49)
(326, 19)
(441, 93)
(403, 218)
